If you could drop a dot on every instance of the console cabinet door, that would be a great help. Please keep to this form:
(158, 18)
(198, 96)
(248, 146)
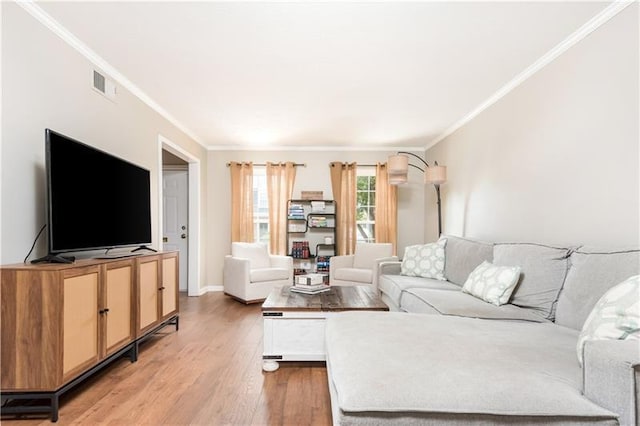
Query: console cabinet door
(148, 284)
(80, 321)
(117, 305)
(169, 284)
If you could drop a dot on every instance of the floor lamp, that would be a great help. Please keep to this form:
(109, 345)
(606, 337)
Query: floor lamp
(398, 171)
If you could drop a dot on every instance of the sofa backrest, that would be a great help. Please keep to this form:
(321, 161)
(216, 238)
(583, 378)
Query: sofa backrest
(543, 271)
(591, 274)
(462, 256)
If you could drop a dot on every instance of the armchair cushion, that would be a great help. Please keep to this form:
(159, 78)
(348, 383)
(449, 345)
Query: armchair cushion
(364, 276)
(257, 253)
(366, 254)
(268, 274)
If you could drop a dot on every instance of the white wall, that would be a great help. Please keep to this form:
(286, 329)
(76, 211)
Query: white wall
(556, 160)
(46, 83)
(313, 177)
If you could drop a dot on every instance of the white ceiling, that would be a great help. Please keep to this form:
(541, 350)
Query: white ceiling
(328, 74)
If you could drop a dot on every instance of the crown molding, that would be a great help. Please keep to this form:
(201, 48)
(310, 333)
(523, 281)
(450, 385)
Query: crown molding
(48, 21)
(376, 148)
(591, 25)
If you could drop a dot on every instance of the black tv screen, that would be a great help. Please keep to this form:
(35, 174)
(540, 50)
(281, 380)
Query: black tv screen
(95, 200)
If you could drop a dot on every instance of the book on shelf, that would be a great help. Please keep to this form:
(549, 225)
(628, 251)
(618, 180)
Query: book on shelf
(300, 250)
(303, 290)
(322, 263)
(296, 212)
(318, 221)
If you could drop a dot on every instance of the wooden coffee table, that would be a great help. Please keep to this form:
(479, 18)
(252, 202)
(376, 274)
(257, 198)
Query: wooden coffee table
(294, 323)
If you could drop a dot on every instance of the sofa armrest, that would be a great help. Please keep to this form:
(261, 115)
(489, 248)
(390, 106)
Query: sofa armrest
(235, 276)
(337, 262)
(389, 268)
(611, 375)
(376, 268)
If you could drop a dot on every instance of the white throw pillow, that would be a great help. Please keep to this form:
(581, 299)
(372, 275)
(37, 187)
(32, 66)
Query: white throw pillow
(616, 316)
(425, 260)
(491, 283)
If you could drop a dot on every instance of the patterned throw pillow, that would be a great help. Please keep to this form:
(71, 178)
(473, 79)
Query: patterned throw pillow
(425, 260)
(491, 283)
(615, 316)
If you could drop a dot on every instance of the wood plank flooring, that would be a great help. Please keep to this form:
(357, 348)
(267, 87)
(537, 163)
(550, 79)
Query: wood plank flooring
(208, 373)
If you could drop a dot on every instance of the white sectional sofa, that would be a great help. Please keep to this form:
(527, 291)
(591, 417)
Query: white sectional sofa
(446, 357)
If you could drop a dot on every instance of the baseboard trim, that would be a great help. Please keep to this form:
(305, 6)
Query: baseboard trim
(210, 289)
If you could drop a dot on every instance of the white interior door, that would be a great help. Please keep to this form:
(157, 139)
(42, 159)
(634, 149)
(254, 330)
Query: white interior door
(175, 213)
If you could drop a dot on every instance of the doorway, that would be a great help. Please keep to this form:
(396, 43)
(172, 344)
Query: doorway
(179, 199)
(175, 214)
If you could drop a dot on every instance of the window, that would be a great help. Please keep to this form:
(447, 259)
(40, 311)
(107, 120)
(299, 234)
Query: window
(365, 204)
(260, 205)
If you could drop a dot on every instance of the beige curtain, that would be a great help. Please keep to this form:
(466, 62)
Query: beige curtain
(241, 202)
(280, 178)
(386, 227)
(343, 184)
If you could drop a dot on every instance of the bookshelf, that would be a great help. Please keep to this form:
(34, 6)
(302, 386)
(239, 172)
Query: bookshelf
(311, 234)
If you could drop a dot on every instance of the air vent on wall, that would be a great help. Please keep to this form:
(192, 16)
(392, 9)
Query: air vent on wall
(104, 85)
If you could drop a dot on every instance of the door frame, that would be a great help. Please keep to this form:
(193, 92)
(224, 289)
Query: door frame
(193, 275)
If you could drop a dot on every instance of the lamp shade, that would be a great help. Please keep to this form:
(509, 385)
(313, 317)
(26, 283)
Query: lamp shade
(435, 175)
(398, 165)
(397, 179)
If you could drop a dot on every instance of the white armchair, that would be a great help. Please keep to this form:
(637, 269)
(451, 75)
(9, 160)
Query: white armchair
(250, 272)
(361, 267)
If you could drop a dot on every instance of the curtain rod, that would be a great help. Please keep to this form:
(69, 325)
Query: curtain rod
(264, 165)
(363, 165)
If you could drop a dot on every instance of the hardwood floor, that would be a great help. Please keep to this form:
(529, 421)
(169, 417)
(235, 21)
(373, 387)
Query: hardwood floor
(208, 373)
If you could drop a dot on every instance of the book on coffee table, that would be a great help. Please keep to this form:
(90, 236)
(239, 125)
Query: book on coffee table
(310, 289)
(310, 279)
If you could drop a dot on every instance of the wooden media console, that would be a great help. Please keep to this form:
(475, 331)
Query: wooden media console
(60, 323)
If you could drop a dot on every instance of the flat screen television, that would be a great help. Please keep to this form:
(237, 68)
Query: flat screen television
(94, 200)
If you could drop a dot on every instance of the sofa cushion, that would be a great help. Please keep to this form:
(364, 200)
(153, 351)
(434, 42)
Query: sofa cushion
(257, 253)
(424, 260)
(462, 256)
(354, 274)
(394, 285)
(448, 364)
(616, 315)
(544, 270)
(491, 283)
(591, 274)
(457, 303)
(366, 254)
(268, 274)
